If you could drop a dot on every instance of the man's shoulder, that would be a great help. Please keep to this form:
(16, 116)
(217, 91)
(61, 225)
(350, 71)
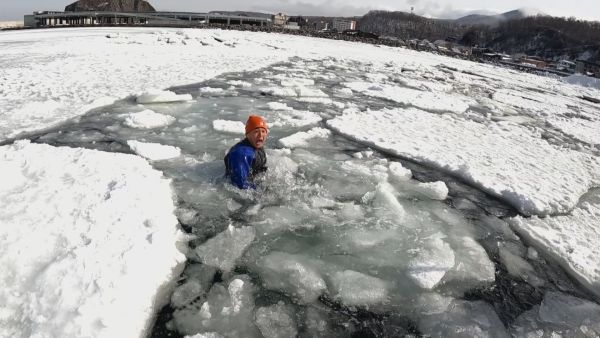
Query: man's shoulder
(242, 149)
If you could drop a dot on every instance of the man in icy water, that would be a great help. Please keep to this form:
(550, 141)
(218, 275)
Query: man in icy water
(247, 158)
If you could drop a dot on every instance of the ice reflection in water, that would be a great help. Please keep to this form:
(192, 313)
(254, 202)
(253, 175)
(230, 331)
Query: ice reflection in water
(334, 243)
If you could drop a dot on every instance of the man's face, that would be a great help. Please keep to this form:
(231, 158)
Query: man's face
(257, 137)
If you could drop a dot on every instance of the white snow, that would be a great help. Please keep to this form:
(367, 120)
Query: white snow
(505, 160)
(161, 96)
(147, 119)
(302, 138)
(79, 228)
(232, 127)
(572, 240)
(154, 151)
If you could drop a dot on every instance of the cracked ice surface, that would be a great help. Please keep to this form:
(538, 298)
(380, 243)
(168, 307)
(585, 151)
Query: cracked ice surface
(506, 160)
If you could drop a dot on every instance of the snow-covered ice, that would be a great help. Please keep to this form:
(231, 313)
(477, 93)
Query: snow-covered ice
(154, 151)
(147, 119)
(508, 161)
(79, 228)
(302, 138)
(233, 127)
(161, 96)
(570, 239)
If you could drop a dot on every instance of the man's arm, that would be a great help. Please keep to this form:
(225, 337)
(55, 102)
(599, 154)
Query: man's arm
(240, 163)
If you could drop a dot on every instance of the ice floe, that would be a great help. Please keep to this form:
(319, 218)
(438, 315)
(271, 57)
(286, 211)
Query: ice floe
(161, 96)
(508, 161)
(569, 239)
(147, 119)
(78, 265)
(154, 151)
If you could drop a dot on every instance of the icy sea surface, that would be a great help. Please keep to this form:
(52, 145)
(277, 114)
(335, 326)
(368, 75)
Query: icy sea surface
(340, 240)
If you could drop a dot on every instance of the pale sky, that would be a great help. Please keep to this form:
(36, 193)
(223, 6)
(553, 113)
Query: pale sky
(581, 9)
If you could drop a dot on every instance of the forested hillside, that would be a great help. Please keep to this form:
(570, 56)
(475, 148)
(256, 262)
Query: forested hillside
(543, 36)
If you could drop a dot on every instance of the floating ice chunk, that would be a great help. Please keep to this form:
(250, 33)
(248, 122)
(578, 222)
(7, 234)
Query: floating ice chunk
(294, 119)
(434, 190)
(279, 106)
(345, 91)
(297, 82)
(472, 265)
(350, 211)
(322, 202)
(464, 319)
(210, 90)
(233, 127)
(282, 92)
(293, 274)
(301, 139)
(431, 303)
(559, 315)
(186, 293)
(205, 335)
(148, 119)
(518, 267)
(398, 172)
(154, 151)
(355, 288)
(240, 83)
(376, 171)
(385, 199)
(276, 321)
(432, 260)
(317, 99)
(571, 240)
(562, 309)
(223, 250)
(310, 92)
(227, 311)
(161, 96)
(532, 254)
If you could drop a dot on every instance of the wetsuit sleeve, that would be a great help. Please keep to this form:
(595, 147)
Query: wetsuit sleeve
(240, 163)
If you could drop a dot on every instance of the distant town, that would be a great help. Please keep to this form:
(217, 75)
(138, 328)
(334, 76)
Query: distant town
(339, 28)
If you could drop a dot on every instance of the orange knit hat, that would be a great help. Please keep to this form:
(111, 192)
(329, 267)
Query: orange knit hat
(255, 121)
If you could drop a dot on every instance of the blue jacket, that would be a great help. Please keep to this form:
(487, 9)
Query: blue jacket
(243, 162)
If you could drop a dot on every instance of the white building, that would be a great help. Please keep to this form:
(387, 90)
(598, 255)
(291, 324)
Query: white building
(344, 24)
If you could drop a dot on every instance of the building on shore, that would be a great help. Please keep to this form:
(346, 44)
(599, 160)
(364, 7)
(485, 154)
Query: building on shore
(174, 19)
(343, 25)
(280, 19)
(587, 68)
